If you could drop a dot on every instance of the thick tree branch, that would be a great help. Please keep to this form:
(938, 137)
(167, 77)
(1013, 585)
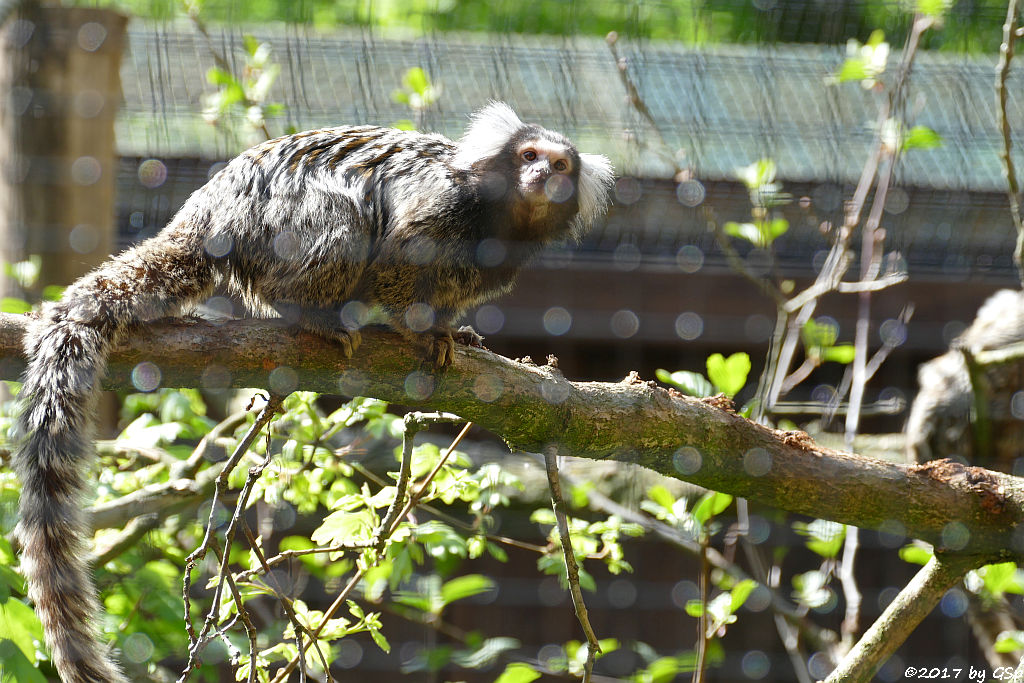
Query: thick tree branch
(532, 408)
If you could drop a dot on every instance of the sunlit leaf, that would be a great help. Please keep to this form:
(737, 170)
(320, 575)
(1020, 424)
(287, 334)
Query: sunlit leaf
(17, 667)
(842, 353)
(921, 137)
(711, 503)
(934, 8)
(740, 592)
(916, 554)
(518, 672)
(1009, 641)
(662, 496)
(690, 383)
(1001, 578)
(9, 304)
(416, 79)
(728, 374)
(853, 69)
(465, 587)
(823, 536)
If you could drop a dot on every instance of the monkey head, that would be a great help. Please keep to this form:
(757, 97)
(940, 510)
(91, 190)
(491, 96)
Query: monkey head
(534, 170)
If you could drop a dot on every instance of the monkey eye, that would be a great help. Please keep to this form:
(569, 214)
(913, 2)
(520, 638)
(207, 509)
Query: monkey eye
(530, 155)
(561, 165)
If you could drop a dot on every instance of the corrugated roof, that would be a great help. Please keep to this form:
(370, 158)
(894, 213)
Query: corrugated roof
(722, 107)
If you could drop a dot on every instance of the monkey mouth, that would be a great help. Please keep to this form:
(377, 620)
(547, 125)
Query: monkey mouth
(533, 190)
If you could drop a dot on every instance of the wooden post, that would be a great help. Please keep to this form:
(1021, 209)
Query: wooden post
(60, 67)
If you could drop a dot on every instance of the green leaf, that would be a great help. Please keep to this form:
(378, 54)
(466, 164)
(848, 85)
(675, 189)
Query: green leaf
(1001, 578)
(416, 79)
(251, 44)
(711, 503)
(812, 588)
(728, 374)
(921, 137)
(933, 8)
(842, 353)
(819, 333)
(19, 626)
(694, 608)
(381, 641)
(876, 38)
(740, 592)
(853, 69)
(662, 496)
(218, 76)
(518, 672)
(343, 526)
(776, 228)
(690, 383)
(9, 304)
(916, 554)
(1009, 641)
(465, 587)
(17, 667)
(823, 536)
(758, 174)
(745, 231)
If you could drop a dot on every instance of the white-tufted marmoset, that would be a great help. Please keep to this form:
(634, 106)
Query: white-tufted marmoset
(418, 226)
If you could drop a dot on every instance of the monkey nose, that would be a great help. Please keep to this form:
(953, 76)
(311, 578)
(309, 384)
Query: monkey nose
(541, 171)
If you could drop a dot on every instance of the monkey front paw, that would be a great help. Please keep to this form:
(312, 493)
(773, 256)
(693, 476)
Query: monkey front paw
(467, 336)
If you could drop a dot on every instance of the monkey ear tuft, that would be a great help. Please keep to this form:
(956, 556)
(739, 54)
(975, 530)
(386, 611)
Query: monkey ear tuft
(596, 178)
(489, 129)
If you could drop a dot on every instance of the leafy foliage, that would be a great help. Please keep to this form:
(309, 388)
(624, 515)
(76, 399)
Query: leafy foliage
(725, 376)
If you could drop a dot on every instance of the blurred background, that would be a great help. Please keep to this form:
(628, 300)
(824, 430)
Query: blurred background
(740, 131)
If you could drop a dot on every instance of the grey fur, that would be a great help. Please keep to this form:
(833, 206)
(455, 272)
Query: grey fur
(302, 225)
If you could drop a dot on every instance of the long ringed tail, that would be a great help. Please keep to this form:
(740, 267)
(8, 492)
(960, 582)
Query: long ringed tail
(67, 350)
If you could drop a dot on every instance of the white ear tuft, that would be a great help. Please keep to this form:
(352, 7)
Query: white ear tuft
(489, 129)
(596, 178)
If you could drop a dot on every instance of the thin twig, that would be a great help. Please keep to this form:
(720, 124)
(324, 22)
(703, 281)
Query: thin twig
(851, 620)
(702, 621)
(414, 499)
(572, 569)
(442, 515)
(637, 101)
(414, 422)
(243, 616)
(198, 641)
(286, 602)
(282, 674)
(1006, 52)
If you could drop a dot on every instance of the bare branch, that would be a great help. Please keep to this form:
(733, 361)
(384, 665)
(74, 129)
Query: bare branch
(572, 569)
(533, 407)
(1006, 51)
(902, 616)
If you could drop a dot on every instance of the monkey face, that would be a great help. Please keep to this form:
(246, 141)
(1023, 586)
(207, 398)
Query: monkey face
(546, 170)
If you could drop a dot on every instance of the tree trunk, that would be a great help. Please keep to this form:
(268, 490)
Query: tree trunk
(60, 71)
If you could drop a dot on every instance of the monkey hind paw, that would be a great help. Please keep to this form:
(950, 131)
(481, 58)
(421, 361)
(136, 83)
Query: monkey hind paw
(348, 339)
(440, 346)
